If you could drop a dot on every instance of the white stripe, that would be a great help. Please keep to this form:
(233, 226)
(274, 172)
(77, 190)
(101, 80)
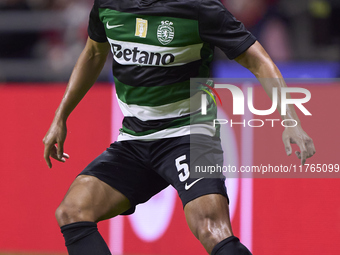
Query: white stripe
(172, 110)
(203, 129)
(131, 53)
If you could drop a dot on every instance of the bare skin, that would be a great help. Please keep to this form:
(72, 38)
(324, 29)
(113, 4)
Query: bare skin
(90, 199)
(85, 73)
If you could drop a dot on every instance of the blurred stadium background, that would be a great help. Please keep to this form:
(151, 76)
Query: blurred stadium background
(40, 41)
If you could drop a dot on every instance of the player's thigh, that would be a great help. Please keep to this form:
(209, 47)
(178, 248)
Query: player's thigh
(90, 199)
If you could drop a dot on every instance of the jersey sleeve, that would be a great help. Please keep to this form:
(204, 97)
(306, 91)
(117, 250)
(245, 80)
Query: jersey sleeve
(220, 28)
(96, 28)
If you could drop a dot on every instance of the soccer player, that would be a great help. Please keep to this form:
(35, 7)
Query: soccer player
(157, 46)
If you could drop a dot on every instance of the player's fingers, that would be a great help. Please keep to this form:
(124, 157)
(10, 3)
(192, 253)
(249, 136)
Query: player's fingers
(303, 157)
(60, 150)
(303, 152)
(310, 148)
(298, 154)
(48, 161)
(63, 158)
(308, 145)
(47, 151)
(54, 155)
(288, 147)
(53, 152)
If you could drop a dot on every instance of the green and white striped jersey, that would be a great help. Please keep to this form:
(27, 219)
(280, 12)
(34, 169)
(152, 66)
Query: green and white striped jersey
(157, 46)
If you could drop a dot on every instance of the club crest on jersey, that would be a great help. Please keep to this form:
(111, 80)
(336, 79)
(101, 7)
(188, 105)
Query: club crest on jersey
(141, 27)
(165, 32)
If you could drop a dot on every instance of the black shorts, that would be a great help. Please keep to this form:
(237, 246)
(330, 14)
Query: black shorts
(141, 169)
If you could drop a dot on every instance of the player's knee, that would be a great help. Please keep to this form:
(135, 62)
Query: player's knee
(63, 215)
(75, 207)
(68, 213)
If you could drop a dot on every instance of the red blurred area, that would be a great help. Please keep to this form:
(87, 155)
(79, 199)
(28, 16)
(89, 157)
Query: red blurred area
(30, 191)
(299, 216)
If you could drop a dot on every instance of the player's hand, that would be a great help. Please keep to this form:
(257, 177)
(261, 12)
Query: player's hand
(298, 136)
(54, 142)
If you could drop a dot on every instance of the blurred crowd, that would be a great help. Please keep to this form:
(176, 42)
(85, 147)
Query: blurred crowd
(59, 46)
(288, 29)
(292, 29)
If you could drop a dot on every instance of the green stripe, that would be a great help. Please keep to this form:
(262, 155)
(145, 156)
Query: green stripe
(152, 96)
(185, 30)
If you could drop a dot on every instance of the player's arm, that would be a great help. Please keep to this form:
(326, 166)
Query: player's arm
(85, 73)
(261, 65)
